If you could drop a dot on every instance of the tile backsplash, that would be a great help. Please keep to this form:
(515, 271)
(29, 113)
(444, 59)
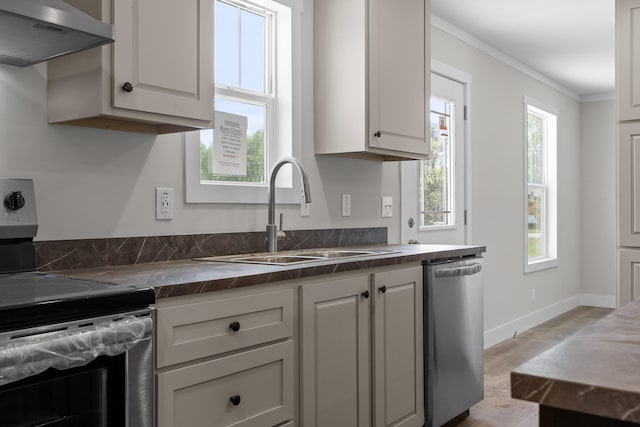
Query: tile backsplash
(71, 254)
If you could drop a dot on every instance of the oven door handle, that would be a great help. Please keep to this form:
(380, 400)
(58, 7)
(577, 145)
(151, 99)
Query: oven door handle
(30, 355)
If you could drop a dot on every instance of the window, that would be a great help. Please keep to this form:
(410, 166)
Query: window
(437, 195)
(541, 211)
(256, 123)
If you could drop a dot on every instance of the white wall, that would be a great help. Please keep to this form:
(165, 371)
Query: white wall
(94, 183)
(598, 187)
(497, 153)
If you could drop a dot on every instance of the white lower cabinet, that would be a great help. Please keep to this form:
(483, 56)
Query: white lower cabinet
(226, 359)
(398, 348)
(361, 350)
(339, 352)
(248, 389)
(336, 356)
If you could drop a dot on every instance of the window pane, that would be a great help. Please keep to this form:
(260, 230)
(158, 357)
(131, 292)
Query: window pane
(535, 149)
(227, 44)
(541, 214)
(252, 52)
(255, 143)
(536, 221)
(436, 173)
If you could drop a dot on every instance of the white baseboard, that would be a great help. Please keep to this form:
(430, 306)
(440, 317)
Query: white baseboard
(594, 300)
(521, 324)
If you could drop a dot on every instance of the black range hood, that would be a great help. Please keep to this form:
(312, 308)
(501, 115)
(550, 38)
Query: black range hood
(33, 31)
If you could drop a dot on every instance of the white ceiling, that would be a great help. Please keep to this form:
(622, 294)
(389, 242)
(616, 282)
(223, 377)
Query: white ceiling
(572, 42)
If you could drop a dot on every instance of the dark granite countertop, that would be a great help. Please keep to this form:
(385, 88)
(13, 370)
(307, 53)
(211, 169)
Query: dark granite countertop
(593, 372)
(176, 278)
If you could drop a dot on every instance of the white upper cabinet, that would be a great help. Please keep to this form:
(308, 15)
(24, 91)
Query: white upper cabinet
(157, 77)
(628, 59)
(372, 78)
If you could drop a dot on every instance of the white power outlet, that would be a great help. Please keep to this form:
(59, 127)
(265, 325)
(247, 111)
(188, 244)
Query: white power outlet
(164, 203)
(387, 207)
(346, 205)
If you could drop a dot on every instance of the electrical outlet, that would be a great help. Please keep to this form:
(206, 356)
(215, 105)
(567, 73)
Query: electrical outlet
(346, 205)
(387, 207)
(164, 203)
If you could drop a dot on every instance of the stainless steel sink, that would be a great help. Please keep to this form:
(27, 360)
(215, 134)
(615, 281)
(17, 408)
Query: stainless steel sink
(273, 259)
(296, 257)
(335, 253)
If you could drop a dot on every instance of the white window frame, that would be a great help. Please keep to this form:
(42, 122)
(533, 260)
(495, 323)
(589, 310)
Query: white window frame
(550, 150)
(452, 179)
(286, 125)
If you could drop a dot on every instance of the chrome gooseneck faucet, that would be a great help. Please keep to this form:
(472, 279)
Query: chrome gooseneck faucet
(272, 228)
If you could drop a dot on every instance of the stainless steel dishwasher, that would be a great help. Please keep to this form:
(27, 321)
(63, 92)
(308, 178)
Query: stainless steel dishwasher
(454, 339)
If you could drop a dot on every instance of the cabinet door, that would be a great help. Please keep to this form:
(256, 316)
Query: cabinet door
(398, 348)
(629, 275)
(629, 184)
(628, 59)
(164, 50)
(335, 361)
(249, 389)
(399, 72)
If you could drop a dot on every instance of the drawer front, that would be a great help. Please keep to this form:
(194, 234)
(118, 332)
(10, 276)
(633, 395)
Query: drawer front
(199, 330)
(249, 389)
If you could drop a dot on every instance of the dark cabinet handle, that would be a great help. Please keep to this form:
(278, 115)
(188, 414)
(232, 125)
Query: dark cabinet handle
(365, 294)
(235, 399)
(127, 87)
(234, 326)
(382, 289)
(377, 134)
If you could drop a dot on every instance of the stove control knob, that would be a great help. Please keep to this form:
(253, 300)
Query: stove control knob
(14, 201)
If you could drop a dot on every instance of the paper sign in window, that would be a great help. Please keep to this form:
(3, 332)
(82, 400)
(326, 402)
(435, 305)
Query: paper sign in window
(230, 145)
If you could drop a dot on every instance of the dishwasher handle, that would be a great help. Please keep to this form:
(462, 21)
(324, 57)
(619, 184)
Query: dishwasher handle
(466, 270)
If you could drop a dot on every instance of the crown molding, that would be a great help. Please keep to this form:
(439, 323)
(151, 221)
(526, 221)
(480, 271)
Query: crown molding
(473, 41)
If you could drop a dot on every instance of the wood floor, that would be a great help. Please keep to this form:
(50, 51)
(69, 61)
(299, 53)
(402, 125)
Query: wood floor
(498, 409)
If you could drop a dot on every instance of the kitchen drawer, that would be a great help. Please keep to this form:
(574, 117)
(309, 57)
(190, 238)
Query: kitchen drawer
(260, 381)
(203, 329)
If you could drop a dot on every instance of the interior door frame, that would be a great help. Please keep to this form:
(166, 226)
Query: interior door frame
(465, 79)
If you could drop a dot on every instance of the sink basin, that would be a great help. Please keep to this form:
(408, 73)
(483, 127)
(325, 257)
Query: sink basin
(335, 253)
(273, 259)
(296, 257)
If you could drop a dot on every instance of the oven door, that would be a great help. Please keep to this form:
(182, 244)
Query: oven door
(93, 373)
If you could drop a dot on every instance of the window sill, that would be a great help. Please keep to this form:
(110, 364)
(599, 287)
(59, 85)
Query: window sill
(543, 264)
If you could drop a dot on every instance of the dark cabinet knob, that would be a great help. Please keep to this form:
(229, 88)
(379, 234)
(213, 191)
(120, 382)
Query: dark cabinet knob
(377, 134)
(365, 294)
(382, 289)
(14, 201)
(127, 87)
(235, 399)
(234, 326)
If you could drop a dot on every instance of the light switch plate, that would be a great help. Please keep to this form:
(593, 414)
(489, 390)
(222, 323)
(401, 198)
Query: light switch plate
(346, 205)
(387, 207)
(305, 209)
